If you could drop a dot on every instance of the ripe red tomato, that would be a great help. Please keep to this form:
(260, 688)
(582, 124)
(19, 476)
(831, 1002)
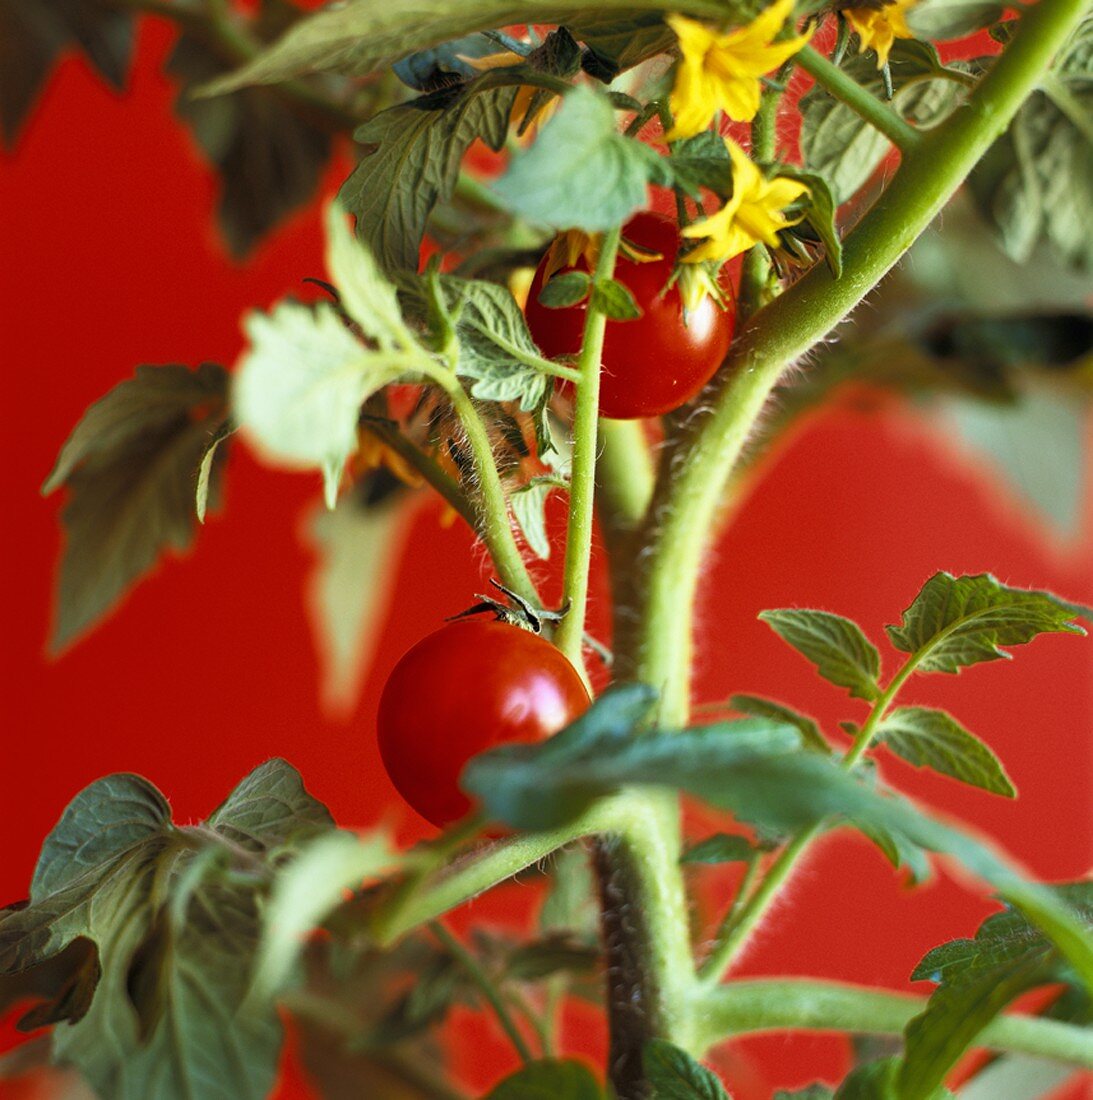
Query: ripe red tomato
(657, 362)
(464, 689)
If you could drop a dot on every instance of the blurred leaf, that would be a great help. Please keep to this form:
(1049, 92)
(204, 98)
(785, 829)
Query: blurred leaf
(436, 68)
(580, 172)
(1036, 181)
(675, 1075)
(549, 1079)
(721, 848)
(269, 157)
(933, 739)
(572, 904)
(130, 465)
(841, 652)
(943, 20)
(959, 621)
(357, 546)
(619, 42)
(877, 1081)
(175, 946)
(557, 953)
(701, 162)
(757, 707)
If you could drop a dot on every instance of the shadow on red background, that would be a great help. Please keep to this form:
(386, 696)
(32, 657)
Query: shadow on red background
(109, 260)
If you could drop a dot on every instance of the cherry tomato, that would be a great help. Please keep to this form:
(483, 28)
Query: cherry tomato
(657, 362)
(468, 687)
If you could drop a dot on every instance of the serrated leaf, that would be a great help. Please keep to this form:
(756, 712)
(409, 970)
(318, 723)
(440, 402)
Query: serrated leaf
(566, 289)
(959, 621)
(549, 1079)
(836, 646)
(358, 36)
(978, 978)
(942, 20)
(840, 146)
(930, 738)
(614, 300)
(307, 891)
(580, 173)
(169, 1010)
(721, 848)
(766, 708)
(1036, 181)
(130, 465)
(300, 384)
(528, 505)
(412, 161)
(269, 158)
(358, 546)
(675, 1075)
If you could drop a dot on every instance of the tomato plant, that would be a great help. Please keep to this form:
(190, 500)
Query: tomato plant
(468, 687)
(658, 361)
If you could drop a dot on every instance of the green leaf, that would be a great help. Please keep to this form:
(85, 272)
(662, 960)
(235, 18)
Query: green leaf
(412, 159)
(358, 36)
(959, 621)
(130, 465)
(619, 42)
(901, 853)
(357, 547)
(933, 739)
(614, 300)
(559, 953)
(701, 162)
(675, 1075)
(942, 20)
(820, 214)
(721, 848)
(307, 891)
(766, 708)
(877, 1081)
(174, 915)
(528, 505)
(580, 173)
(841, 652)
(212, 460)
(269, 158)
(300, 385)
(978, 978)
(1036, 181)
(809, 1092)
(549, 1079)
(566, 289)
(839, 145)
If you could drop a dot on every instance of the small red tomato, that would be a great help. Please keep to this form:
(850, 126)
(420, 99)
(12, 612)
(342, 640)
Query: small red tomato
(468, 687)
(657, 362)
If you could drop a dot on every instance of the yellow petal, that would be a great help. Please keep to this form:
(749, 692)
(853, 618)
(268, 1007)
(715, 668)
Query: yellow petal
(694, 38)
(782, 191)
(740, 98)
(693, 101)
(764, 26)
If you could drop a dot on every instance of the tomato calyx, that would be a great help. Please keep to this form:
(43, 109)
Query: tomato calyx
(512, 609)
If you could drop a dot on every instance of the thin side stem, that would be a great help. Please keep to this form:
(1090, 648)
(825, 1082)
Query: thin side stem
(863, 103)
(787, 1004)
(481, 980)
(578, 546)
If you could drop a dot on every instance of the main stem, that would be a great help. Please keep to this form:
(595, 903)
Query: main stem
(582, 492)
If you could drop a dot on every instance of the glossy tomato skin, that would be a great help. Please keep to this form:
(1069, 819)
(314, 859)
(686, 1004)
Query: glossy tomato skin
(657, 362)
(468, 687)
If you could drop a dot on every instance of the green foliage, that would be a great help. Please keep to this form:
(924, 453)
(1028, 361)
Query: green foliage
(675, 1075)
(722, 848)
(528, 505)
(614, 300)
(977, 979)
(757, 707)
(959, 621)
(1036, 181)
(933, 739)
(32, 36)
(566, 289)
(941, 20)
(878, 1081)
(701, 162)
(580, 173)
(840, 146)
(129, 466)
(166, 920)
(837, 646)
(549, 1079)
(819, 218)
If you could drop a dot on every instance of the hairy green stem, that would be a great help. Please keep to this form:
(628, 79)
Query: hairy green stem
(704, 453)
(624, 474)
(786, 1004)
(578, 545)
(862, 102)
(494, 523)
(484, 984)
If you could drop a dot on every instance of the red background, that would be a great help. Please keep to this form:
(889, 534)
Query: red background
(109, 260)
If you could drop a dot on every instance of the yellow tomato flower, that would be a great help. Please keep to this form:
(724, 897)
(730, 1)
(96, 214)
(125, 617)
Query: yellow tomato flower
(721, 71)
(753, 215)
(879, 27)
(372, 453)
